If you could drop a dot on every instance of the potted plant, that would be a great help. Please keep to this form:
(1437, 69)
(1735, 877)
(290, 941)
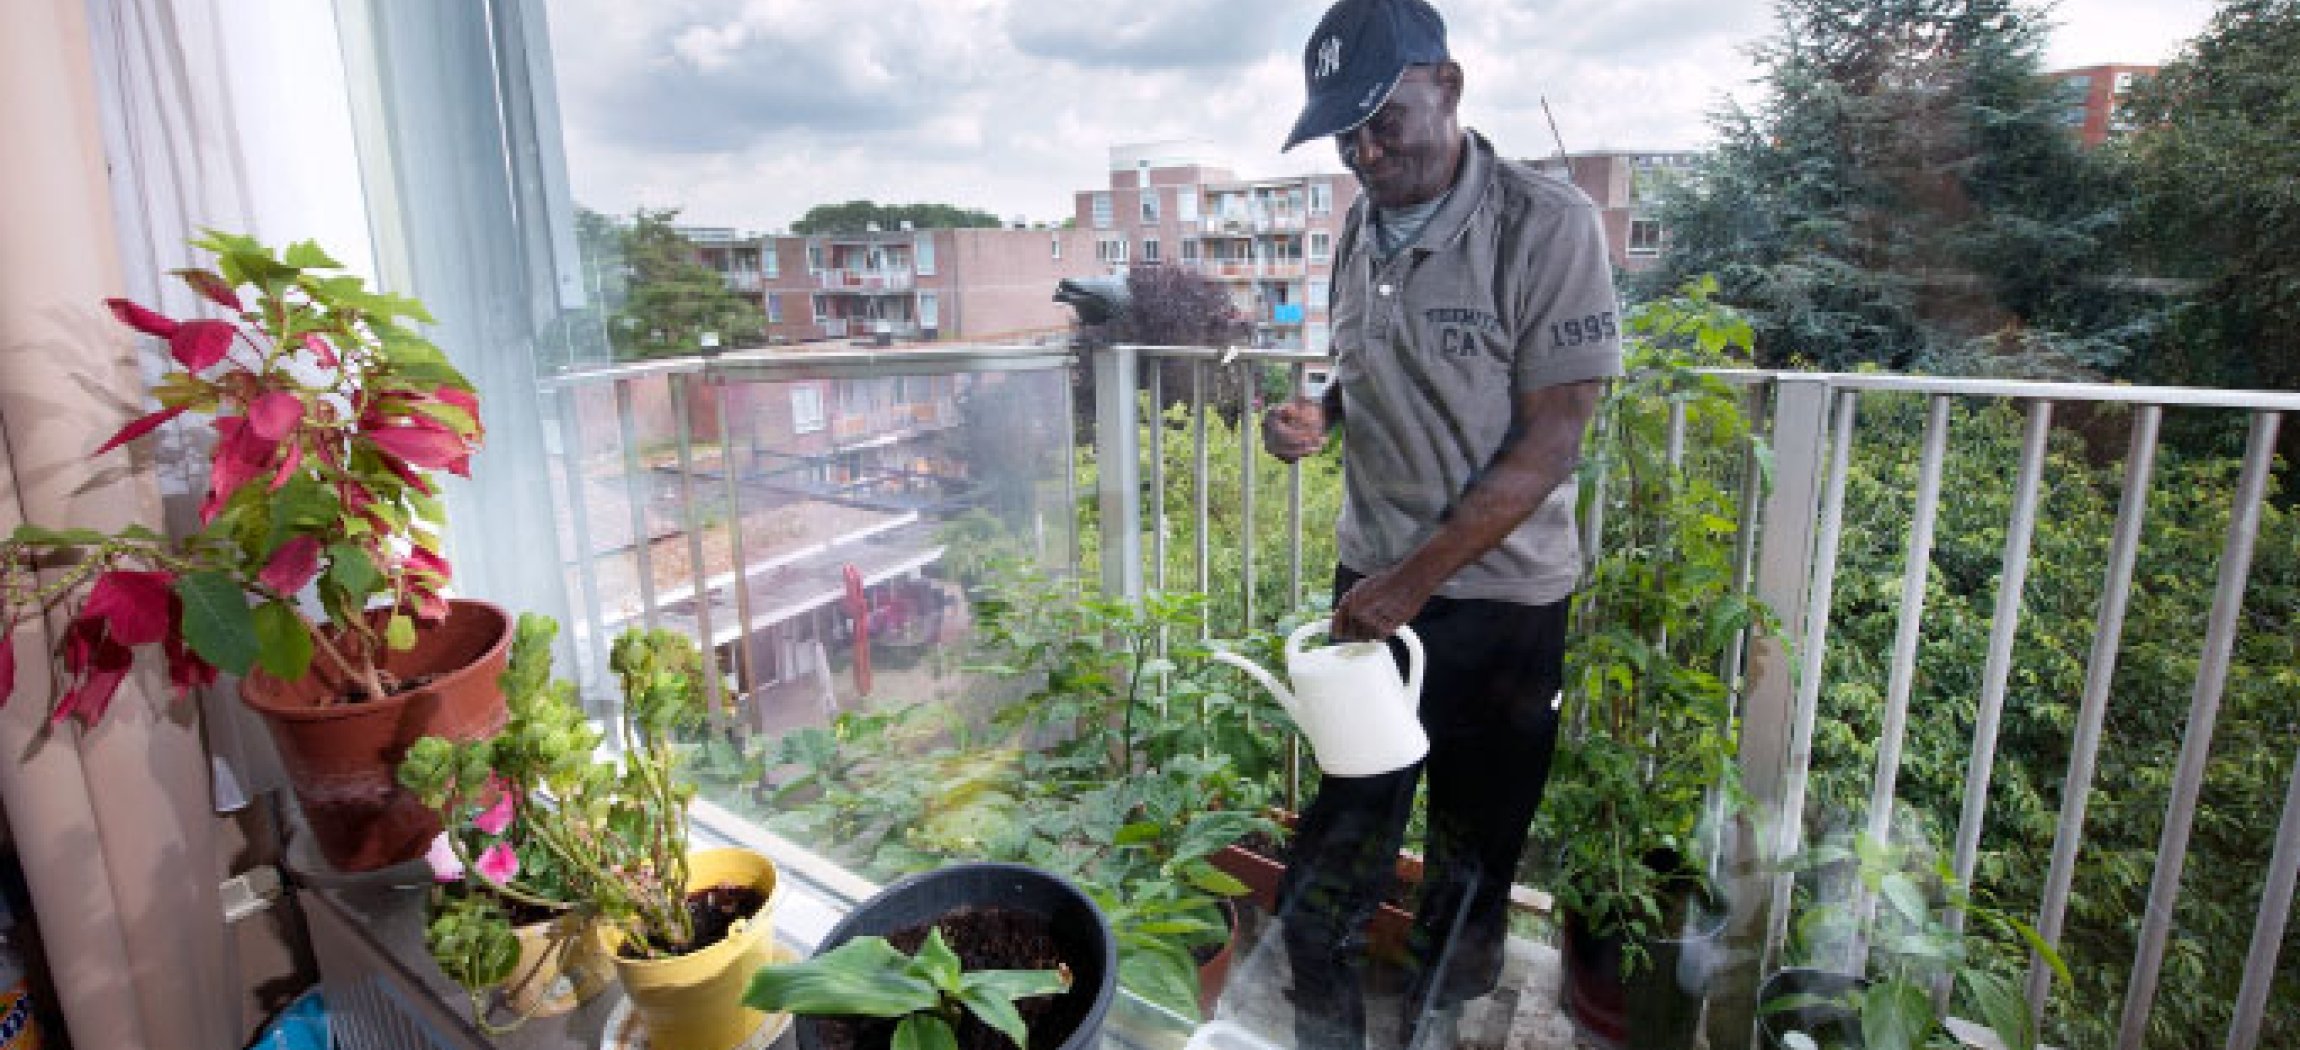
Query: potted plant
(1645, 762)
(1908, 950)
(689, 926)
(331, 420)
(998, 922)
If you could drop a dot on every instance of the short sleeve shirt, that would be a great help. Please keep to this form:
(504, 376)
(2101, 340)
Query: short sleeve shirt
(1507, 290)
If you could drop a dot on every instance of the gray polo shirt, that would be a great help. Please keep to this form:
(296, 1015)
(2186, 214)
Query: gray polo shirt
(1508, 289)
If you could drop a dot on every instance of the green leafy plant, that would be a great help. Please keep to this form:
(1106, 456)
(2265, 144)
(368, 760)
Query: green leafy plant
(1648, 755)
(331, 418)
(1911, 949)
(930, 991)
(536, 819)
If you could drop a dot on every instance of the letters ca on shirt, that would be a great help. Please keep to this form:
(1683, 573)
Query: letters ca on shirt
(1463, 331)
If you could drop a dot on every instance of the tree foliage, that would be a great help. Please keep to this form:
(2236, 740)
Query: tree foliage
(1903, 195)
(856, 216)
(669, 299)
(2218, 193)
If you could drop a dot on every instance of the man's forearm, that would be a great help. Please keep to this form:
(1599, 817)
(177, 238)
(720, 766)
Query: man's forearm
(1540, 458)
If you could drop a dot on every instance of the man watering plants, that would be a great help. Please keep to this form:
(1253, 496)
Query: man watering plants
(1474, 323)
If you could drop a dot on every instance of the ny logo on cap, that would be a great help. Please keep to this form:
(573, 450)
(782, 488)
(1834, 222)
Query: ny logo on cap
(1329, 57)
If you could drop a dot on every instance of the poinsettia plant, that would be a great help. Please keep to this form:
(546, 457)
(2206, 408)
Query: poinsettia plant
(331, 418)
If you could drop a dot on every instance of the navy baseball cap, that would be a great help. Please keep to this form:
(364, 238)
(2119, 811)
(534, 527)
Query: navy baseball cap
(1354, 59)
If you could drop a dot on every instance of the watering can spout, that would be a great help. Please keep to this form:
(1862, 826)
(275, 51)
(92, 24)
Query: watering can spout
(1269, 681)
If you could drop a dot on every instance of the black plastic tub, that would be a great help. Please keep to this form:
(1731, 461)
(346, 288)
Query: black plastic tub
(1079, 929)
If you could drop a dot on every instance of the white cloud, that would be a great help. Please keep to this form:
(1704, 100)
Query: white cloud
(746, 112)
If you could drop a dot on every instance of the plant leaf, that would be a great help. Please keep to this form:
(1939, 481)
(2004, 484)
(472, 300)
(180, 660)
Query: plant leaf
(1906, 897)
(864, 977)
(924, 1032)
(217, 622)
(937, 963)
(2003, 1007)
(1895, 1015)
(990, 995)
(1162, 976)
(284, 645)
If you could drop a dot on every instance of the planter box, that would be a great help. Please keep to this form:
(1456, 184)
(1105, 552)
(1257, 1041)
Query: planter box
(1385, 932)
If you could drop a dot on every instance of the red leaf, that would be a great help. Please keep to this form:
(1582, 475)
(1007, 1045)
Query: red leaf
(186, 671)
(274, 414)
(292, 565)
(421, 560)
(133, 605)
(139, 428)
(319, 347)
(407, 474)
(422, 442)
(141, 319)
(287, 466)
(7, 665)
(198, 344)
(241, 454)
(99, 664)
(207, 283)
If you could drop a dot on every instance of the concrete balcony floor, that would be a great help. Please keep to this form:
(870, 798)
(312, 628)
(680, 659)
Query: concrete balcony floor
(1524, 1014)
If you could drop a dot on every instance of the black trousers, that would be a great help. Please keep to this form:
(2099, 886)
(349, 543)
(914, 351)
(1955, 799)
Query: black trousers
(1494, 672)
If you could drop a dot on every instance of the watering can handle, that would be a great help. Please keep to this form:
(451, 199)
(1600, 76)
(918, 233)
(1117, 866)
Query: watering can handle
(1301, 634)
(1415, 665)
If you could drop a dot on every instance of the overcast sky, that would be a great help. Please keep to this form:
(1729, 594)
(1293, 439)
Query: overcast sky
(746, 112)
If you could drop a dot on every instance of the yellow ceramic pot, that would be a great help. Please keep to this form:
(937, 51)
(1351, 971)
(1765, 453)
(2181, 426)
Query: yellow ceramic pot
(562, 964)
(695, 1002)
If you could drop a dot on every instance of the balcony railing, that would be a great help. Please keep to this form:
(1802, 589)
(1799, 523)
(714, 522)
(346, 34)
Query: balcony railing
(890, 279)
(1793, 539)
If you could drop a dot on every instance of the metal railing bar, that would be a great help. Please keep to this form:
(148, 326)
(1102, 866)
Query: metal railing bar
(691, 519)
(746, 677)
(2092, 712)
(1069, 479)
(1674, 447)
(627, 419)
(605, 374)
(1757, 406)
(2004, 626)
(773, 365)
(1157, 421)
(2268, 928)
(2014, 389)
(1204, 484)
(1247, 420)
(1230, 354)
(1295, 376)
(1810, 653)
(1118, 472)
(1903, 675)
(2196, 743)
(592, 652)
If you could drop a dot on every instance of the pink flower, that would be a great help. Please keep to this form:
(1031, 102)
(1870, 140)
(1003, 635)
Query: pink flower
(199, 344)
(496, 817)
(134, 606)
(292, 565)
(141, 319)
(139, 428)
(499, 864)
(444, 865)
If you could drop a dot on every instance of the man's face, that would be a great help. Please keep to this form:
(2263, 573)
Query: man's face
(1406, 152)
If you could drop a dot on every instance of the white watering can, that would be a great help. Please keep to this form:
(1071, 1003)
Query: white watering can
(1361, 720)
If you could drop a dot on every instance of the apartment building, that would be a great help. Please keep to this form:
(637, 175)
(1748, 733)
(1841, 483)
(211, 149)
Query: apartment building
(1626, 186)
(2089, 97)
(981, 285)
(1269, 241)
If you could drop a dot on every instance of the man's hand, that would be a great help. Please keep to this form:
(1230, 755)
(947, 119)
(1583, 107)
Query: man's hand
(1376, 606)
(1294, 429)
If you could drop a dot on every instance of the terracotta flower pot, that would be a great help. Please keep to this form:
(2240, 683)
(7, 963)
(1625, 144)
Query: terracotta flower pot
(695, 1001)
(342, 758)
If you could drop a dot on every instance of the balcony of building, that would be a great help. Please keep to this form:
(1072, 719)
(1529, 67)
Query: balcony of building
(866, 281)
(749, 532)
